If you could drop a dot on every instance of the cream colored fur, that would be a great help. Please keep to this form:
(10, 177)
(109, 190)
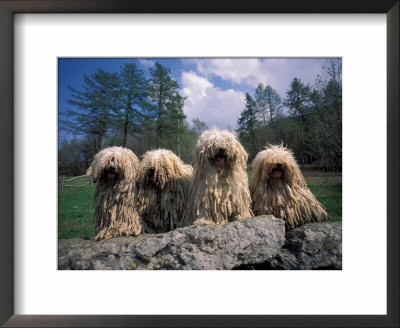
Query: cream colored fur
(218, 191)
(114, 197)
(163, 181)
(282, 191)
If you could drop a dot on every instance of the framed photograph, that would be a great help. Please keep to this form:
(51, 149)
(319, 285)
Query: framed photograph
(39, 35)
(200, 127)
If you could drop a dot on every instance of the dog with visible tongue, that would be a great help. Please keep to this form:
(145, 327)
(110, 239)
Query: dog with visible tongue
(114, 170)
(278, 188)
(218, 191)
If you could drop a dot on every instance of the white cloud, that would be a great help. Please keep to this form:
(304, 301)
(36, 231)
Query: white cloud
(194, 86)
(277, 72)
(209, 103)
(250, 70)
(146, 62)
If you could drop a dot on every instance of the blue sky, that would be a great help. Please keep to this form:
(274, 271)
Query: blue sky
(214, 87)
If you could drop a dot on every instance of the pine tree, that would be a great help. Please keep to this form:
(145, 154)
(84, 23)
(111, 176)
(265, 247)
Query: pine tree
(268, 106)
(273, 101)
(261, 105)
(298, 99)
(175, 122)
(93, 104)
(165, 110)
(248, 123)
(132, 97)
(299, 103)
(198, 127)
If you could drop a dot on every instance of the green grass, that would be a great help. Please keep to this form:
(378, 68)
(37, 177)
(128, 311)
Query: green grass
(330, 195)
(327, 188)
(75, 209)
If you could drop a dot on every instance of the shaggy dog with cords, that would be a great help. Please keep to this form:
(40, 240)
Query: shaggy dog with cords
(163, 182)
(219, 191)
(278, 188)
(114, 170)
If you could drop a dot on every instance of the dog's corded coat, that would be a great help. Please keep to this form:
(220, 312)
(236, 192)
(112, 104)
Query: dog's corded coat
(114, 171)
(163, 182)
(219, 191)
(278, 188)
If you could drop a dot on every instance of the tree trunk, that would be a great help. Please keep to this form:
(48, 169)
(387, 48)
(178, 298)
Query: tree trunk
(128, 107)
(159, 124)
(179, 153)
(159, 104)
(100, 141)
(102, 123)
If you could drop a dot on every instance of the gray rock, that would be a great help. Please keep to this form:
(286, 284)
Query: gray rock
(235, 244)
(314, 246)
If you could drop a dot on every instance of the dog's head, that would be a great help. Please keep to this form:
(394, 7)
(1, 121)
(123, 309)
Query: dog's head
(113, 165)
(157, 167)
(274, 164)
(220, 150)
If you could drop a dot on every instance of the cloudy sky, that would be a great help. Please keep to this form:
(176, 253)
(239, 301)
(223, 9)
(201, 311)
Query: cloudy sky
(214, 88)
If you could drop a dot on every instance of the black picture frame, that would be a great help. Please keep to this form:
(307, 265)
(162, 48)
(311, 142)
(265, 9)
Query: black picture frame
(10, 7)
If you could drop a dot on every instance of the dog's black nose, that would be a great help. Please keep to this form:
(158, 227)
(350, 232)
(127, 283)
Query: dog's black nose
(112, 167)
(221, 150)
(279, 164)
(152, 170)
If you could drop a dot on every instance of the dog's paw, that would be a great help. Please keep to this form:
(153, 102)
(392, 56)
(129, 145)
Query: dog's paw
(202, 221)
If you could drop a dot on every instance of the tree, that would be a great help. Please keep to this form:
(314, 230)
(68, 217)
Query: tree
(298, 99)
(165, 110)
(261, 105)
(273, 101)
(327, 103)
(332, 94)
(175, 122)
(93, 104)
(198, 127)
(132, 95)
(268, 102)
(248, 123)
(299, 103)
(268, 105)
(74, 156)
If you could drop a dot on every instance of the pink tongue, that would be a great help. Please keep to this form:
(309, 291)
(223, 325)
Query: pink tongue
(277, 173)
(221, 159)
(111, 175)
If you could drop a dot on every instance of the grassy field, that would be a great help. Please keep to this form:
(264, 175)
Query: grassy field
(75, 209)
(327, 188)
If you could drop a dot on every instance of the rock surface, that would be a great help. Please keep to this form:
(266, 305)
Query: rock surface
(314, 246)
(241, 243)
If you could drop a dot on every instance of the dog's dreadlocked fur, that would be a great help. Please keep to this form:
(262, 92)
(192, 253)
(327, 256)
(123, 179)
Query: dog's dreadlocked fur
(219, 190)
(114, 170)
(163, 182)
(278, 188)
